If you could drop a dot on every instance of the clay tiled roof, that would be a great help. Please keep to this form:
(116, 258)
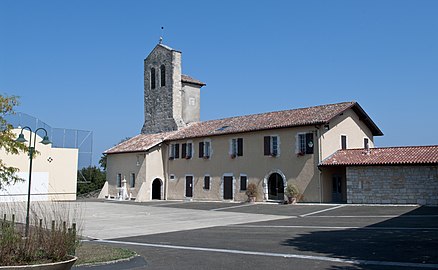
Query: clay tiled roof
(188, 79)
(316, 115)
(139, 143)
(272, 120)
(406, 155)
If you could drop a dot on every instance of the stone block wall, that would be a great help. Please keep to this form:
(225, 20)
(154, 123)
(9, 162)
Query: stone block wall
(393, 184)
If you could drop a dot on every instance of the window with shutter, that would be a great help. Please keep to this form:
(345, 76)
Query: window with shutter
(309, 143)
(201, 149)
(301, 144)
(274, 146)
(207, 182)
(243, 182)
(267, 145)
(176, 150)
(240, 147)
(184, 150)
(233, 148)
(189, 151)
(207, 149)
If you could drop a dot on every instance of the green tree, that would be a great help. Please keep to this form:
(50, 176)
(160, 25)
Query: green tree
(102, 162)
(103, 158)
(90, 179)
(7, 141)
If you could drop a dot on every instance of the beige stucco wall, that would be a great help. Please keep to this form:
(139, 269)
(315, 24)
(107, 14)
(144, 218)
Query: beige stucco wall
(327, 174)
(146, 166)
(54, 172)
(347, 124)
(300, 170)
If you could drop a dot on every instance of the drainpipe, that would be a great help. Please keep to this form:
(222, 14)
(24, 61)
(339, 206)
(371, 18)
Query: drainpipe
(318, 128)
(165, 169)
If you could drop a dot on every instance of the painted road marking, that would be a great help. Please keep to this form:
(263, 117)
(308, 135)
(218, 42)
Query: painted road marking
(336, 227)
(283, 255)
(324, 210)
(231, 207)
(383, 216)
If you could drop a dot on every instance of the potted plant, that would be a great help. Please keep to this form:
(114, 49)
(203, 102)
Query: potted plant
(251, 192)
(292, 192)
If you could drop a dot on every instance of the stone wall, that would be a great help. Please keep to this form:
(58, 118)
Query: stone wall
(162, 105)
(393, 184)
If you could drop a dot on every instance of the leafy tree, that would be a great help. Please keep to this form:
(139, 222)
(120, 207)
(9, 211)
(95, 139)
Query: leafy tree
(90, 179)
(7, 141)
(102, 160)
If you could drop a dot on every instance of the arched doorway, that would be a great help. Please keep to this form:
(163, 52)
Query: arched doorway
(156, 189)
(275, 187)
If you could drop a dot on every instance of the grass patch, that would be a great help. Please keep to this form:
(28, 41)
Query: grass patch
(92, 253)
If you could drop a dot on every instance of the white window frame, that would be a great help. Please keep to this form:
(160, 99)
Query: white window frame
(233, 146)
(172, 151)
(207, 148)
(301, 143)
(271, 145)
(189, 146)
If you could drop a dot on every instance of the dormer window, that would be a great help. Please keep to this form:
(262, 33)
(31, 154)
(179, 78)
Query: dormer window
(163, 75)
(153, 78)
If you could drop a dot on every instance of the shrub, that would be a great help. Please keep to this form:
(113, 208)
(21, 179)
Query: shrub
(292, 190)
(49, 240)
(251, 190)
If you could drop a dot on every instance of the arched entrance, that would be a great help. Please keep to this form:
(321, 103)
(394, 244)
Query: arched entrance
(275, 187)
(156, 189)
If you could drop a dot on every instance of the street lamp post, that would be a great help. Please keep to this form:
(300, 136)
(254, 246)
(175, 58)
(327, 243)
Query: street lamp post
(31, 153)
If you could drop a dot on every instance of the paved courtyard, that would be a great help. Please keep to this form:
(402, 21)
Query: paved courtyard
(198, 235)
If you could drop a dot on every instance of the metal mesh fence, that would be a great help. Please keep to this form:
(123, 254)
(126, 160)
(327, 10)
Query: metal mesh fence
(60, 137)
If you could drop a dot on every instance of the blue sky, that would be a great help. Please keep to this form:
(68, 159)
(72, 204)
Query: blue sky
(79, 64)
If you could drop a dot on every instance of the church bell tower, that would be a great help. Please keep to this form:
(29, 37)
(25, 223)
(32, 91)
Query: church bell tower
(171, 99)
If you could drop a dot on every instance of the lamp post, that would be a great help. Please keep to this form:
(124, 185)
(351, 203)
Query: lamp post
(31, 152)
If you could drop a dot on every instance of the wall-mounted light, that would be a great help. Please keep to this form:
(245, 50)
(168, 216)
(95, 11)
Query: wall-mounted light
(326, 127)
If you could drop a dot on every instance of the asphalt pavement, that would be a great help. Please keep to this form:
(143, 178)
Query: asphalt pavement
(194, 235)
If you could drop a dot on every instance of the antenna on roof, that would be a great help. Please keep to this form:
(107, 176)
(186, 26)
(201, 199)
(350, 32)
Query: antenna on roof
(161, 37)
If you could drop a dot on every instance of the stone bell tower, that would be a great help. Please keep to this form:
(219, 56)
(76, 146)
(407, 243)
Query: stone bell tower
(171, 99)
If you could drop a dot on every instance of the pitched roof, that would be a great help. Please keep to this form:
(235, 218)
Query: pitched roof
(405, 155)
(139, 143)
(188, 79)
(315, 115)
(272, 120)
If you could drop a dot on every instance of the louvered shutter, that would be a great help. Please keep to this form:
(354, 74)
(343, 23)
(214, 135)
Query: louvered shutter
(267, 145)
(309, 143)
(201, 149)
